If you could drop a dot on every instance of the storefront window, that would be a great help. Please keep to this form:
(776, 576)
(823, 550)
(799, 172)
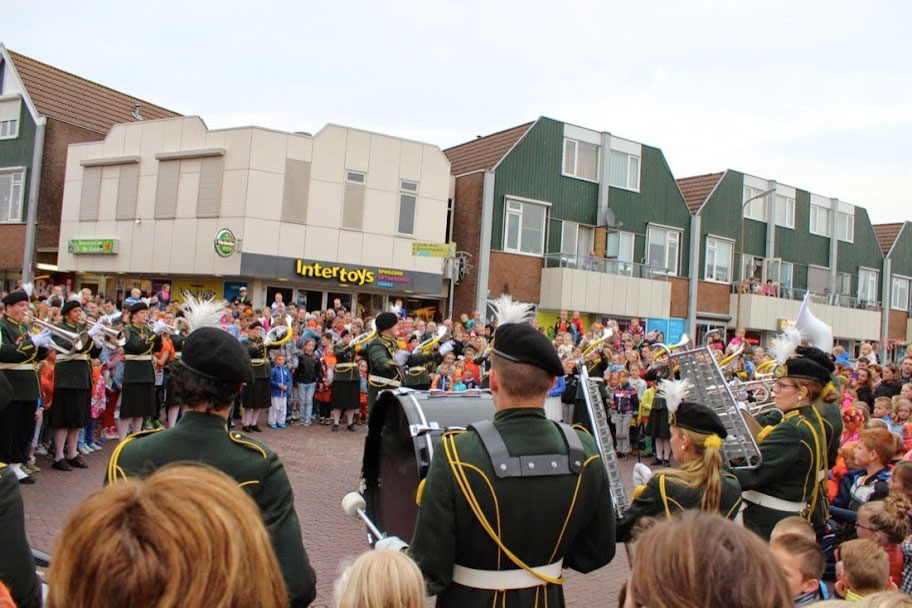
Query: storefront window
(424, 309)
(344, 298)
(311, 300)
(370, 304)
(271, 292)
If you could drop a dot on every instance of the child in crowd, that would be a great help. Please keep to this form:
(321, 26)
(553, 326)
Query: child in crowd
(458, 385)
(280, 380)
(553, 410)
(803, 562)
(900, 483)
(862, 568)
(883, 407)
(362, 396)
(379, 579)
(643, 416)
(845, 462)
(626, 404)
(441, 380)
(869, 482)
(473, 370)
(793, 525)
(886, 522)
(902, 420)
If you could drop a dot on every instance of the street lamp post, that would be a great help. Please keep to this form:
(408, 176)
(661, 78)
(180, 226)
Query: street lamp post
(741, 249)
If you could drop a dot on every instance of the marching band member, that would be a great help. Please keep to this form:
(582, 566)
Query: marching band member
(701, 482)
(346, 384)
(207, 379)
(258, 391)
(20, 352)
(72, 391)
(508, 504)
(137, 400)
(793, 452)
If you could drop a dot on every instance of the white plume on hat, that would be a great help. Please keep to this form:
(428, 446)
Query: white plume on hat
(674, 392)
(28, 288)
(202, 313)
(783, 346)
(508, 311)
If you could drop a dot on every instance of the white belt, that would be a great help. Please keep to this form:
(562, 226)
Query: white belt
(80, 357)
(257, 361)
(345, 367)
(18, 366)
(821, 475)
(771, 502)
(384, 381)
(505, 579)
(137, 357)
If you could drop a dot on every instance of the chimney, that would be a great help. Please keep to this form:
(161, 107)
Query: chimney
(136, 113)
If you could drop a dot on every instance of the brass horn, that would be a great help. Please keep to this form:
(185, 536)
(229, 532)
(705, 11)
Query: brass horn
(76, 341)
(272, 336)
(428, 345)
(606, 334)
(362, 339)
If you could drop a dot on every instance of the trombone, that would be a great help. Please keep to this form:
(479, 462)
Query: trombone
(606, 334)
(428, 345)
(76, 341)
(272, 336)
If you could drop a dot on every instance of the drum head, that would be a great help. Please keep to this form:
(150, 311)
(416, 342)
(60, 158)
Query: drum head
(402, 431)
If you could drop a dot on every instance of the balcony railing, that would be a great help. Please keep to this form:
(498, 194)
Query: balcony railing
(605, 266)
(793, 293)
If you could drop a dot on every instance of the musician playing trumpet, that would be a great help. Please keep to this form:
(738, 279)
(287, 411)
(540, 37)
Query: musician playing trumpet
(700, 482)
(138, 398)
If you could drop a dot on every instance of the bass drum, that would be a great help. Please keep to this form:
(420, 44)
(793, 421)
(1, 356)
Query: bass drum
(402, 432)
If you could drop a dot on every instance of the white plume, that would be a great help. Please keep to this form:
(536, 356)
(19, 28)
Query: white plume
(674, 392)
(202, 313)
(74, 297)
(508, 311)
(28, 288)
(783, 346)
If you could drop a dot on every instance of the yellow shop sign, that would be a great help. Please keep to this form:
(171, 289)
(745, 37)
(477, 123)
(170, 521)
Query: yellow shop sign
(315, 270)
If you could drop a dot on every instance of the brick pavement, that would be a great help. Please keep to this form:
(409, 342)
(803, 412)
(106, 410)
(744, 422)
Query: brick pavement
(322, 467)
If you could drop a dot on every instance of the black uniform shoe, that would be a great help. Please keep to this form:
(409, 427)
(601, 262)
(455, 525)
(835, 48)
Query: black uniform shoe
(77, 463)
(256, 429)
(28, 479)
(62, 465)
(335, 428)
(351, 427)
(656, 462)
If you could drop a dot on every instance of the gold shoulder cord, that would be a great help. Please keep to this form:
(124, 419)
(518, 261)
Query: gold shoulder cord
(664, 495)
(819, 458)
(458, 468)
(113, 468)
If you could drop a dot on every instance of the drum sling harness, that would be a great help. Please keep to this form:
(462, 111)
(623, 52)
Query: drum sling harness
(531, 466)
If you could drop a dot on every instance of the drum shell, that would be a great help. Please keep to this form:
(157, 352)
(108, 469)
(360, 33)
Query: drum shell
(403, 431)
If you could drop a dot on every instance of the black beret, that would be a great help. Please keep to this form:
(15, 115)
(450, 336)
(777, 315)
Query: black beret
(804, 367)
(385, 320)
(522, 343)
(654, 374)
(817, 356)
(344, 333)
(14, 297)
(138, 306)
(698, 418)
(254, 325)
(215, 354)
(68, 306)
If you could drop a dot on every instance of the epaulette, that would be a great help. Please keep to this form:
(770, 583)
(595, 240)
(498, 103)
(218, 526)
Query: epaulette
(113, 469)
(764, 433)
(247, 442)
(580, 427)
(636, 492)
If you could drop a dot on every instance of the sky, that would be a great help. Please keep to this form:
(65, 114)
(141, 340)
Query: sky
(816, 95)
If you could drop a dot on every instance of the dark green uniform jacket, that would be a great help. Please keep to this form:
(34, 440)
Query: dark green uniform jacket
(15, 350)
(256, 348)
(17, 568)
(791, 459)
(346, 369)
(74, 371)
(383, 370)
(200, 437)
(141, 342)
(529, 513)
(662, 496)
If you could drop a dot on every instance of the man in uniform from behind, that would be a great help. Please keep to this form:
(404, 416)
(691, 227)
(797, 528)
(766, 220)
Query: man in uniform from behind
(508, 504)
(207, 379)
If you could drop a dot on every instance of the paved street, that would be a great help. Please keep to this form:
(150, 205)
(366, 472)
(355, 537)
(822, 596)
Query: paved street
(322, 466)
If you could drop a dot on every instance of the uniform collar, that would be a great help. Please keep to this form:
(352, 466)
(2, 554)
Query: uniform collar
(520, 412)
(202, 420)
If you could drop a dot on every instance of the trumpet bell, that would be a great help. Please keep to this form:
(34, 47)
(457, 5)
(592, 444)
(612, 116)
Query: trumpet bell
(273, 336)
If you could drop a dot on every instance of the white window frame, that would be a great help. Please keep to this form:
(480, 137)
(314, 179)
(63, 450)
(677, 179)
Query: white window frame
(814, 222)
(669, 230)
(789, 220)
(713, 242)
(11, 134)
(866, 283)
(639, 167)
(13, 171)
(896, 278)
(508, 211)
(351, 173)
(841, 234)
(574, 174)
(574, 227)
(749, 209)
(841, 279)
(751, 258)
(407, 191)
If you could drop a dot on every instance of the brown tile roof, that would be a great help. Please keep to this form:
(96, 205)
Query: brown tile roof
(697, 189)
(484, 152)
(886, 235)
(71, 98)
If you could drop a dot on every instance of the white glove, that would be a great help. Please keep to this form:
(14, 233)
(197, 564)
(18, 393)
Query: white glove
(159, 327)
(281, 331)
(446, 347)
(401, 357)
(96, 330)
(641, 474)
(391, 543)
(42, 339)
(100, 343)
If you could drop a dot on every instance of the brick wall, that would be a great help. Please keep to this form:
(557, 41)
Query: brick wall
(57, 137)
(896, 330)
(467, 234)
(517, 275)
(679, 302)
(12, 236)
(713, 297)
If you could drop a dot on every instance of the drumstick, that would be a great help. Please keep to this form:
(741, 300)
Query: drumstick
(354, 505)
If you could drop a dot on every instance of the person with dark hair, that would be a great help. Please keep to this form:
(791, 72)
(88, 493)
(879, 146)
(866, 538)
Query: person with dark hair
(509, 503)
(258, 391)
(208, 377)
(346, 384)
(138, 397)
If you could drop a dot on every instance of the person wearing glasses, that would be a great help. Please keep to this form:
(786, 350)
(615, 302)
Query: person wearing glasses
(794, 451)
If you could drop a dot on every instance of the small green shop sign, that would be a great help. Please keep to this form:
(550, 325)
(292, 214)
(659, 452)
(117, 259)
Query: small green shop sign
(96, 246)
(225, 243)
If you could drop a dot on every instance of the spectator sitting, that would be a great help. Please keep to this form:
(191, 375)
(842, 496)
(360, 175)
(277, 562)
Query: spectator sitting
(883, 407)
(862, 569)
(901, 415)
(769, 289)
(872, 454)
(845, 462)
(220, 555)
(458, 385)
(472, 368)
(381, 579)
(134, 297)
(886, 522)
(441, 379)
(840, 355)
(853, 420)
(793, 525)
(803, 563)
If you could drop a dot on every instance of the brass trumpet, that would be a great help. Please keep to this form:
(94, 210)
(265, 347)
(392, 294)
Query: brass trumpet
(176, 328)
(606, 334)
(115, 338)
(428, 345)
(684, 341)
(76, 341)
(361, 340)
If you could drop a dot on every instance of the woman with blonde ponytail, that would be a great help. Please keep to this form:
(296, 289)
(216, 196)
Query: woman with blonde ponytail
(886, 522)
(700, 481)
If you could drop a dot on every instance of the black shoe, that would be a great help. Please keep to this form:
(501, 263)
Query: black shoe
(62, 465)
(256, 429)
(77, 463)
(28, 479)
(656, 462)
(335, 428)
(351, 427)
(666, 463)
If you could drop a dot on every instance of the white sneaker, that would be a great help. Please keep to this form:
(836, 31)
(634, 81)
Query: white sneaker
(41, 450)
(84, 450)
(94, 447)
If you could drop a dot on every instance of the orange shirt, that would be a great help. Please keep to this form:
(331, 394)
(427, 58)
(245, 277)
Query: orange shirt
(46, 380)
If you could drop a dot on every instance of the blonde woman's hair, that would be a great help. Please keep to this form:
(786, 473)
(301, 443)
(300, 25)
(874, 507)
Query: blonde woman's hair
(381, 579)
(186, 536)
(889, 517)
(703, 560)
(899, 402)
(704, 471)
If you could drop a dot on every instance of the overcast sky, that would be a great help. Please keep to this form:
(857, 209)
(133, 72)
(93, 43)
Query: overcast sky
(817, 95)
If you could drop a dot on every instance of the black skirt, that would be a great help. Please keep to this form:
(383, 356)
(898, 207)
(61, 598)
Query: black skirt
(69, 408)
(658, 424)
(137, 400)
(170, 399)
(345, 396)
(259, 395)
